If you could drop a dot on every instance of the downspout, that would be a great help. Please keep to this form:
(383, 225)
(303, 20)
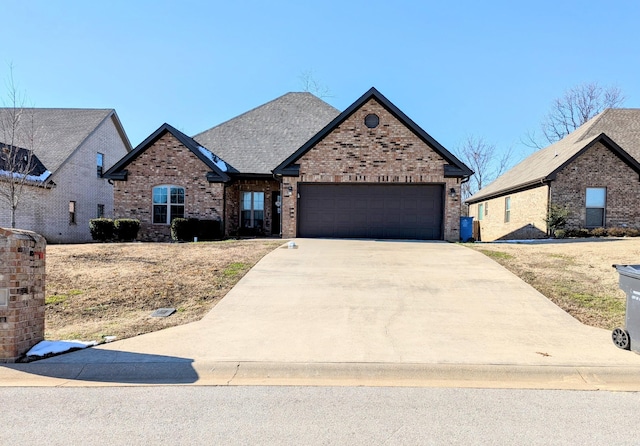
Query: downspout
(548, 205)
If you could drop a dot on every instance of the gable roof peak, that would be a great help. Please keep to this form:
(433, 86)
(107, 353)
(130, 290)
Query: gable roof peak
(218, 166)
(461, 169)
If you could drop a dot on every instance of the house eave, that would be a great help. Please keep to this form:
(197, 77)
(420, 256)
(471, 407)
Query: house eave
(511, 190)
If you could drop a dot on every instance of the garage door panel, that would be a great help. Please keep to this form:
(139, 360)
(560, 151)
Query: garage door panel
(370, 211)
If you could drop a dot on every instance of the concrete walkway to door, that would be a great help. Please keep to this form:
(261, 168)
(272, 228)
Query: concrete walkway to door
(397, 310)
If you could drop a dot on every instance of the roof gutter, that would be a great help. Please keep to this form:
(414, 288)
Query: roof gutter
(503, 192)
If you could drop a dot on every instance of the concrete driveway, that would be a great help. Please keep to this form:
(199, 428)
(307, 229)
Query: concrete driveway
(394, 304)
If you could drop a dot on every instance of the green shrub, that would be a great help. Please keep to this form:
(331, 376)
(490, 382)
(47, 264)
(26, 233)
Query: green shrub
(556, 217)
(127, 229)
(102, 229)
(560, 233)
(209, 230)
(181, 229)
(599, 232)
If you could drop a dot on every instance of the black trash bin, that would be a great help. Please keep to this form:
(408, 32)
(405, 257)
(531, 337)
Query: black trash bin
(629, 337)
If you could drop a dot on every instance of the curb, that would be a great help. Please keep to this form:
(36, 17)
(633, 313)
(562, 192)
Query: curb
(236, 373)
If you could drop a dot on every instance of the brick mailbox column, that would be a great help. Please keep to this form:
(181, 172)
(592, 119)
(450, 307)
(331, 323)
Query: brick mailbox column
(22, 282)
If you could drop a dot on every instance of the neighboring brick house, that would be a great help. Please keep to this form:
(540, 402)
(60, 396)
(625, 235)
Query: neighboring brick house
(593, 172)
(74, 146)
(369, 172)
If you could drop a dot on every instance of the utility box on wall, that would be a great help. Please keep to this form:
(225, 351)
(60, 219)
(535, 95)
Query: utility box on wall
(22, 287)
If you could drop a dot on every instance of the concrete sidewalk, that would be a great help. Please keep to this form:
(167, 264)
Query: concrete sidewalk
(363, 313)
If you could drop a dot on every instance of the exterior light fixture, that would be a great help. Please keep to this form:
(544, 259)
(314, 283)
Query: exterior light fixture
(452, 192)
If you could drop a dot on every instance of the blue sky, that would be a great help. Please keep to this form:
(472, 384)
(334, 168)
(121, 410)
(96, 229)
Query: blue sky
(462, 68)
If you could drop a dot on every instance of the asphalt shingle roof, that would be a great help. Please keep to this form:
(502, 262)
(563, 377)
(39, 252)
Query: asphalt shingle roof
(58, 131)
(619, 124)
(259, 140)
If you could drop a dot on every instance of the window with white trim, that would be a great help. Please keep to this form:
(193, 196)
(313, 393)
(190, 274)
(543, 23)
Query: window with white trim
(168, 203)
(595, 203)
(480, 211)
(507, 209)
(252, 210)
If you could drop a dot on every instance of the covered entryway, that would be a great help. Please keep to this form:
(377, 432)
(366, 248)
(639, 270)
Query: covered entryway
(388, 211)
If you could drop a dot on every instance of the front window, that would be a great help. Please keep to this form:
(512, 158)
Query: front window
(507, 209)
(480, 211)
(595, 204)
(168, 203)
(252, 210)
(100, 212)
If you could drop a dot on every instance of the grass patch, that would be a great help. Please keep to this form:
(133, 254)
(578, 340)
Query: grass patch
(235, 269)
(55, 299)
(496, 255)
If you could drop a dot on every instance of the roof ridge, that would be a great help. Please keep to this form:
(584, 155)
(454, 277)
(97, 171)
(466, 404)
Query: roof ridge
(596, 119)
(259, 107)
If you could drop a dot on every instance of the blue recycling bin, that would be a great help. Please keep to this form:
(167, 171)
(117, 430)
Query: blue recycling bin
(466, 228)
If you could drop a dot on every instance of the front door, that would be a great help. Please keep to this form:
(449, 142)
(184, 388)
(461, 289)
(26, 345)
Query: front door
(275, 213)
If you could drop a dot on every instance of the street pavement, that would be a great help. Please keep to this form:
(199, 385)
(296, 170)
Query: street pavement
(362, 312)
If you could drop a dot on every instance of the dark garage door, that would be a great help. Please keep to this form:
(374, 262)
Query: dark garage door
(370, 211)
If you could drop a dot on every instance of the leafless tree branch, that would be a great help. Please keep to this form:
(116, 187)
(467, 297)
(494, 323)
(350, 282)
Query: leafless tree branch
(17, 139)
(309, 83)
(574, 108)
(485, 161)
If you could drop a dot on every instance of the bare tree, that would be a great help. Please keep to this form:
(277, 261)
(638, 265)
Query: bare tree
(17, 135)
(574, 108)
(487, 163)
(310, 84)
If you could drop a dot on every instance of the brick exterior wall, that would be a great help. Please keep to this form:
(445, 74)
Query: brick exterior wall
(527, 217)
(389, 153)
(167, 162)
(599, 167)
(233, 203)
(46, 211)
(22, 282)
(596, 167)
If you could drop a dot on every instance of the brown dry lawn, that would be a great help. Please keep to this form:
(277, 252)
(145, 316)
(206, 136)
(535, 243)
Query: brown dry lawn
(575, 274)
(98, 290)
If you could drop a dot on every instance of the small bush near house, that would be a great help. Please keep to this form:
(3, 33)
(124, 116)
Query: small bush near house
(599, 232)
(557, 217)
(616, 232)
(209, 230)
(632, 232)
(182, 229)
(102, 229)
(127, 229)
(583, 233)
(560, 233)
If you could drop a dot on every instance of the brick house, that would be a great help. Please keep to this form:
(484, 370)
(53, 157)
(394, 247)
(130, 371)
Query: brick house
(71, 148)
(297, 167)
(593, 172)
